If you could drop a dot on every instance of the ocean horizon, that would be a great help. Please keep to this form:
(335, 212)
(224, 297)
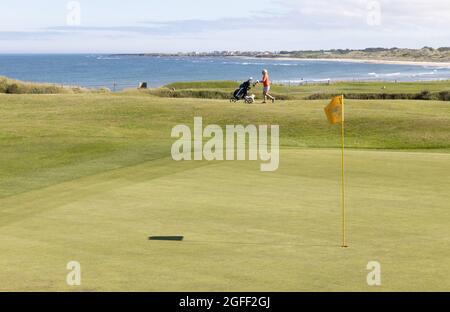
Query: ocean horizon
(119, 72)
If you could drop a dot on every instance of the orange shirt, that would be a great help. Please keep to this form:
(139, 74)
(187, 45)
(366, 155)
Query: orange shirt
(266, 81)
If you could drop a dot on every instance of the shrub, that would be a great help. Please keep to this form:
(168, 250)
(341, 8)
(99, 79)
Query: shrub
(12, 88)
(444, 96)
(424, 95)
(202, 94)
(3, 85)
(203, 85)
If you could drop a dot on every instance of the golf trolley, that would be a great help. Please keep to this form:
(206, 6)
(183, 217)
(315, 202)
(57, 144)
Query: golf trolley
(242, 93)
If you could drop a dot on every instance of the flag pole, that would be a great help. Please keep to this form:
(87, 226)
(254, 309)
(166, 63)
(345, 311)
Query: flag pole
(344, 225)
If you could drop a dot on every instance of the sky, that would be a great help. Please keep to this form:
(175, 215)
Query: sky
(139, 26)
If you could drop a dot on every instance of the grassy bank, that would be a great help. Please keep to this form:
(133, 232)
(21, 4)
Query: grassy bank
(47, 139)
(88, 177)
(88, 133)
(12, 86)
(431, 91)
(435, 90)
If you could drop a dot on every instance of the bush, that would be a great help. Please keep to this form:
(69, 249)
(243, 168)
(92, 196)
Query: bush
(203, 85)
(444, 96)
(3, 85)
(188, 93)
(202, 94)
(12, 89)
(424, 95)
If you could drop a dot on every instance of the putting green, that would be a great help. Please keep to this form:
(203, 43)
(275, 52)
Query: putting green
(244, 230)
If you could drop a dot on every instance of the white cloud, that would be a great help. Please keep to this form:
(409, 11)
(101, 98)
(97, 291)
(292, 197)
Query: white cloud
(419, 13)
(267, 25)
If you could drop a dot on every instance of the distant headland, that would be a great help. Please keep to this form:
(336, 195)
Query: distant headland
(380, 55)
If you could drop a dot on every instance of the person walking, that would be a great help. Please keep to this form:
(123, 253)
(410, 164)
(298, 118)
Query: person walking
(266, 86)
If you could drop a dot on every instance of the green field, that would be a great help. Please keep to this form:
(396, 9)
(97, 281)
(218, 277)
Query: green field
(432, 90)
(333, 87)
(89, 177)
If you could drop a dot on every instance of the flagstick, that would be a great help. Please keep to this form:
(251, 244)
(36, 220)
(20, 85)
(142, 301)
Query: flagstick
(344, 239)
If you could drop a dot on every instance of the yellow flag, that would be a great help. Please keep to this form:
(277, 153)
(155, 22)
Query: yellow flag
(335, 114)
(334, 110)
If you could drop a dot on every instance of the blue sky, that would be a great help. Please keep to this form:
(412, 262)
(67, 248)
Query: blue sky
(113, 26)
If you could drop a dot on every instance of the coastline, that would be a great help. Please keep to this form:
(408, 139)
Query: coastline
(291, 58)
(116, 74)
(353, 60)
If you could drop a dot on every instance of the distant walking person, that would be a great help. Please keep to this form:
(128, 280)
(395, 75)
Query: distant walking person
(266, 84)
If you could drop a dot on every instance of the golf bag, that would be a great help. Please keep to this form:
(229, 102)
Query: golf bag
(242, 93)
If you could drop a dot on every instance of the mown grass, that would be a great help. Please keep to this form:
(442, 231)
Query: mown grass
(88, 177)
(48, 139)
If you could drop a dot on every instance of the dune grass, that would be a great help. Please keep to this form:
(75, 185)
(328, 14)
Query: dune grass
(12, 86)
(88, 177)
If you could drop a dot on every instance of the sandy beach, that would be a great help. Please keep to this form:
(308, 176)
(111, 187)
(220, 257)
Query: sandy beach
(349, 60)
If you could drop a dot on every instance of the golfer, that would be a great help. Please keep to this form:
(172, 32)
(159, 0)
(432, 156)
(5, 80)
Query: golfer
(266, 84)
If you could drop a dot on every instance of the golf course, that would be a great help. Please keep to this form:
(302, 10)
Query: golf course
(89, 177)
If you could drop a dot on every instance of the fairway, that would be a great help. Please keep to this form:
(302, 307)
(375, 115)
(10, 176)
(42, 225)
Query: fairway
(89, 178)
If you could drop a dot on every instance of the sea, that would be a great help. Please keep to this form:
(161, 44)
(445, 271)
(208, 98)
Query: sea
(118, 72)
